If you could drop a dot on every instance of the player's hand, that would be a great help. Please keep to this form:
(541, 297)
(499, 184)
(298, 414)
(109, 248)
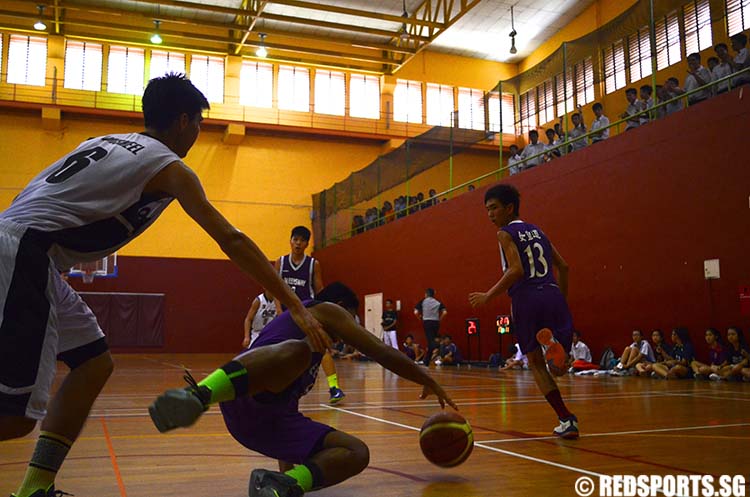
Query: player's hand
(246, 342)
(442, 397)
(477, 298)
(319, 339)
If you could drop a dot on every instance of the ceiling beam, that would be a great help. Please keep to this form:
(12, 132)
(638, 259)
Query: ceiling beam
(353, 12)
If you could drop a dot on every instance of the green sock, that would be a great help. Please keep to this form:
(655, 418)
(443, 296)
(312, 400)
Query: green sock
(226, 383)
(303, 476)
(333, 381)
(49, 455)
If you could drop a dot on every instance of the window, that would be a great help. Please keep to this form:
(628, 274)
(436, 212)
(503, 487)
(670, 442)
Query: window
(125, 70)
(330, 92)
(165, 62)
(546, 96)
(584, 73)
(639, 54)
(207, 74)
(256, 84)
(697, 22)
(407, 101)
(471, 109)
(738, 16)
(83, 65)
(27, 60)
(439, 104)
(667, 41)
(364, 96)
(508, 112)
(528, 111)
(294, 88)
(614, 67)
(564, 92)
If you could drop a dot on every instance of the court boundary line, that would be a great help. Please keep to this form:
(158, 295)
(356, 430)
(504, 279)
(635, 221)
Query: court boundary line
(113, 458)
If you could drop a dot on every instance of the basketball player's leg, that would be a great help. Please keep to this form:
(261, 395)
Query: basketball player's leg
(271, 368)
(83, 349)
(329, 368)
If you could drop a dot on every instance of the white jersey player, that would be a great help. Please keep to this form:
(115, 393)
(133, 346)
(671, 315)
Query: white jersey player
(262, 311)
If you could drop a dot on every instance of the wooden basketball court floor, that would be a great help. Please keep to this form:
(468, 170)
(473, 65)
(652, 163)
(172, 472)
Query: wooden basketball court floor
(629, 426)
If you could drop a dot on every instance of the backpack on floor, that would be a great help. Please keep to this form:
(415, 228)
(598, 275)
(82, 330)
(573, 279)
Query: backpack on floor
(608, 360)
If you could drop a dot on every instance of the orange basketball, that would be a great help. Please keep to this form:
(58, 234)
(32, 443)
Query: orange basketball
(446, 439)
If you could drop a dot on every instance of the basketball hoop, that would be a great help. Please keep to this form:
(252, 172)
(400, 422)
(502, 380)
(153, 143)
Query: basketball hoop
(88, 271)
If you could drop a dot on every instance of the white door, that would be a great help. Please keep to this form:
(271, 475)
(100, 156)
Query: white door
(374, 314)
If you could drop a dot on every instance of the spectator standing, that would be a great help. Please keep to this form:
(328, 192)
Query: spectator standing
(697, 76)
(534, 148)
(390, 324)
(553, 150)
(430, 311)
(600, 122)
(741, 60)
(634, 107)
(647, 103)
(513, 161)
(579, 129)
(723, 67)
(672, 88)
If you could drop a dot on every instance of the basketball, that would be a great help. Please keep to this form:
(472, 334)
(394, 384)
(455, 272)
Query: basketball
(446, 439)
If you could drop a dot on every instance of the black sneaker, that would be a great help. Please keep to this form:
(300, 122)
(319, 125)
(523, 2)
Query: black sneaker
(50, 492)
(337, 395)
(180, 407)
(264, 483)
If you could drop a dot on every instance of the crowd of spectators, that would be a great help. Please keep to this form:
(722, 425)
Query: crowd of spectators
(641, 106)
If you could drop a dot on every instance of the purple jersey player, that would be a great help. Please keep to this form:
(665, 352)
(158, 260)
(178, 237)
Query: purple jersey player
(259, 393)
(539, 309)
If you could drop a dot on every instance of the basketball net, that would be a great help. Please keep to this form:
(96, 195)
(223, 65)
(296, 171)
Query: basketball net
(88, 271)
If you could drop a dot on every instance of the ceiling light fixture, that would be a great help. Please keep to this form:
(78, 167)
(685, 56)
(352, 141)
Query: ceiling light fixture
(156, 37)
(403, 32)
(512, 34)
(261, 51)
(39, 24)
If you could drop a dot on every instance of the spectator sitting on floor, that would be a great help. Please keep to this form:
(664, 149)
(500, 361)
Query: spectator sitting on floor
(449, 352)
(662, 353)
(678, 365)
(437, 350)
(738, 356)
(717, 356)
(517, 360)
(580, 355)
(634, 107)
(638, 351)
(412, 349)
(600, 122)
(336, 348)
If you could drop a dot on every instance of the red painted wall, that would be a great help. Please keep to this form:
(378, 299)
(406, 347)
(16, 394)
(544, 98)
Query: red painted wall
(205, 300)
(635, 217)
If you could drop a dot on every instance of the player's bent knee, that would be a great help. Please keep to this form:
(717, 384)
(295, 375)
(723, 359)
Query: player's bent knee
(15, 427)
(361, 455)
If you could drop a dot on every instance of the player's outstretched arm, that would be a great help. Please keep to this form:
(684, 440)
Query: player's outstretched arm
(180, 182)
(512, 274)
(340, 323)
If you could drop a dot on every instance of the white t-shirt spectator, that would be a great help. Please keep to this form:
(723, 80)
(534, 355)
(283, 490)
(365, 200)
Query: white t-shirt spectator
(742, 58)
(580, 351)
(574, 133)
(520, 356)
(513, 166)
(632, 110)
(646, 350)
(691, 84)
(530, 150)
(600, 123)
(721, 70)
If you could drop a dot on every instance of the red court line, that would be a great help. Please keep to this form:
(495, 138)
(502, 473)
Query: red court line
(113, 457)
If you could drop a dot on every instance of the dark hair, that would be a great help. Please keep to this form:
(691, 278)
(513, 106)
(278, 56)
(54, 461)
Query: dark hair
(448, 337)
(715, 333)
(430, 292)
(301, 232)
(661, 334)
(505, 194)
(740, 335)
(721, 45)
(740, 38)
(694, 56)
(647, 89)
(534, 132)
(409, 336)
(576, 332)
(713, 59)
(631, 91)
(597, 105)
(683, 333)
(548, 131)
(674, 80)
(513, 145)
(168, 97)
(340, 294)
